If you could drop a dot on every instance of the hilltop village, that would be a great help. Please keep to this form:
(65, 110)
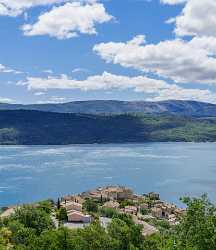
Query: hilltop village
(146, 210)
(109, 218)
(78, 211)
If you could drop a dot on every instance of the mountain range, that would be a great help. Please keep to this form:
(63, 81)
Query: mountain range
(173, 107)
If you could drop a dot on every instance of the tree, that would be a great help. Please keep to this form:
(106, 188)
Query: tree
(33, 217)
(198, 226)
(91, 206)
(62, 214)
(58, 204)
(5, 237)
(46, 205)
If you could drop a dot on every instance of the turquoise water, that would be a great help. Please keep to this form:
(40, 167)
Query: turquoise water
(172, 169)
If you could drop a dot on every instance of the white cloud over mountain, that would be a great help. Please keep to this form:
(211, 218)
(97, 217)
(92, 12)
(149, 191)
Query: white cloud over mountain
(155, 89)
(69, 20)
(106, 81)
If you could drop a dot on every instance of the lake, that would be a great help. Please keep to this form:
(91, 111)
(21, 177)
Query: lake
(31, 173)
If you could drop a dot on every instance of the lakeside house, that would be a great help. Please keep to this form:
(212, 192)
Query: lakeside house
(74, 212)
(76, 216)
(71, 205)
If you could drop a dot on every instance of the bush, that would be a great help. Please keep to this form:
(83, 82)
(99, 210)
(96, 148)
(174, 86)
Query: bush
(108, 212)
(91, 206)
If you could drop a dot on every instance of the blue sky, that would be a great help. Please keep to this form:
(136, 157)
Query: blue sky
(66, 50)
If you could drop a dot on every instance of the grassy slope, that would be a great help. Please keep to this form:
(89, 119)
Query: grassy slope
(33, 127)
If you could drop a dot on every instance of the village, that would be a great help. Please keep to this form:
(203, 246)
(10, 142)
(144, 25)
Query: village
(118, 199)
(103, 203)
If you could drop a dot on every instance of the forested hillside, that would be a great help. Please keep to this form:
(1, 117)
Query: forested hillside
(44, 128)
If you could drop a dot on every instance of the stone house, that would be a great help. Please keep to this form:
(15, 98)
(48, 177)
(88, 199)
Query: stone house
(76, 216)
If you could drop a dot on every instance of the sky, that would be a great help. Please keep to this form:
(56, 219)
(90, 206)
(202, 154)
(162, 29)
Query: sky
(54, 51)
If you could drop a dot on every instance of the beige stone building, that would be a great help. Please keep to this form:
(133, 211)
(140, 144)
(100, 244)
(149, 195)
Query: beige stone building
(163, 210)
(109, 193)
(76, 216)
(131, 210)
(71, 205)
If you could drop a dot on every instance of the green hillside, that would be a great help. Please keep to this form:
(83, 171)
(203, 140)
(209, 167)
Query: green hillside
(41, 128)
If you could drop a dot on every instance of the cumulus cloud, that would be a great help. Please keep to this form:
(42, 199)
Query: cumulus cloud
(17, 7)
(106, 81)
(197, 18)
(69, 20)
(174, 92)
(154, 89)
(176, 59)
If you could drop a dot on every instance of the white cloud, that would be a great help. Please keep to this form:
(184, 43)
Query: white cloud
(78, 70)
(17, 7)
(173, 2)
(4, 69)
(106, 81)
(6, 100)
(154, 89)
(48, 71)
(175, 92)
(197, 18)
(39, 93)
(69, 20)
(178, 60)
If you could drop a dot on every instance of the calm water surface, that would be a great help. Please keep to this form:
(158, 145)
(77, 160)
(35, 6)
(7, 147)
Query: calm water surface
(172, 169)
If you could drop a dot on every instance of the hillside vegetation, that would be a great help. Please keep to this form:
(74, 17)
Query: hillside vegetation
(43, 128)
(31, 228)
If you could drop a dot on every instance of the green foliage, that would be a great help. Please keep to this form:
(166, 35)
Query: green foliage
(46, 205)
(34, 218)
(108, 212)
(144, 211)
(197, 228)
(31, 229)
(91, 206)
(125, 203)
(34, 127)
(62, 214)
(128, 236)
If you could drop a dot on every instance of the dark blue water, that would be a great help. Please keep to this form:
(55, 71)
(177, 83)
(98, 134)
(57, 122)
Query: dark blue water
(172, 169)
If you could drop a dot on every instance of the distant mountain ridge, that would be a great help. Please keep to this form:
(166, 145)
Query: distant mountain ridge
(174, 107)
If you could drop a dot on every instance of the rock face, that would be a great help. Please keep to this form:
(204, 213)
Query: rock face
(186, 108)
